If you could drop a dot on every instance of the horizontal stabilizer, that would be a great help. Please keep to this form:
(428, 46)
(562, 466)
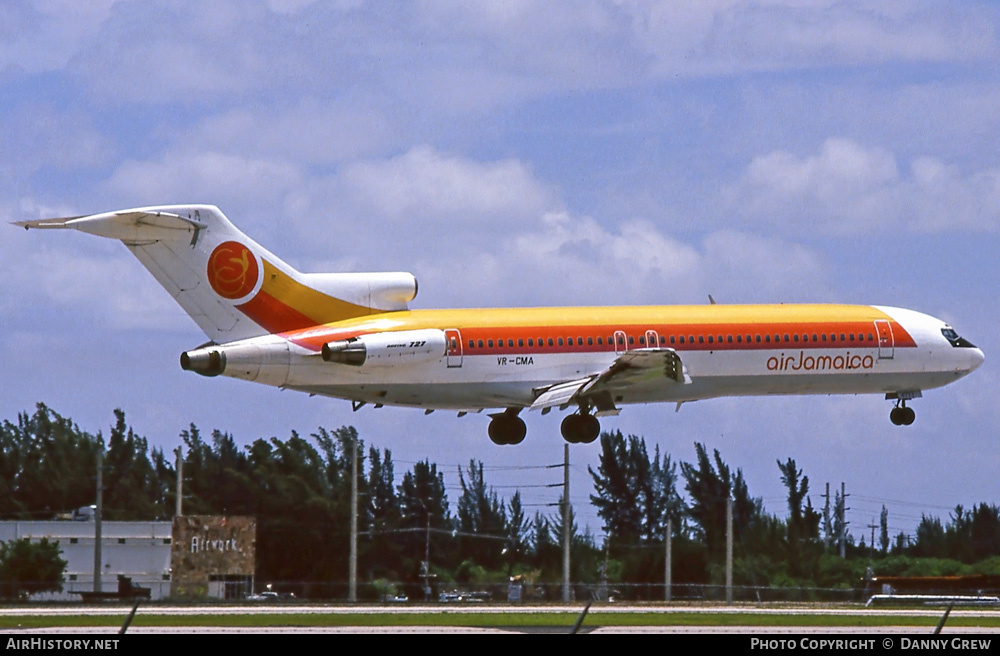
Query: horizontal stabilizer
(130, 226)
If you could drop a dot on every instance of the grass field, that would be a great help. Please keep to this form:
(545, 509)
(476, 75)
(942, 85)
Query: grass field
(486, 617)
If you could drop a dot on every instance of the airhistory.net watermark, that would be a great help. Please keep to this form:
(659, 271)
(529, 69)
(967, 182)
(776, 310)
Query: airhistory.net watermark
(76, 644)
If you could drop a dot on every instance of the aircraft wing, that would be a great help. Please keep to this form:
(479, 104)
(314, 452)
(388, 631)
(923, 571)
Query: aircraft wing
(631, 369)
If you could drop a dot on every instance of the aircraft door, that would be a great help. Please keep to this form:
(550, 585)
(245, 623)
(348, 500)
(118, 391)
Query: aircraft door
(886, 344)
(620, 346)
(652, 339)
(454, 342)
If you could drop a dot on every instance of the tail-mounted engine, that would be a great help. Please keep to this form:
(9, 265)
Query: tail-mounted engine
(388, 349)
(262, 359)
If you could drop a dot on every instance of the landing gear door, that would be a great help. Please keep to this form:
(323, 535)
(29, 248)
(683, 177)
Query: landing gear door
(454, 352)
(886, 344)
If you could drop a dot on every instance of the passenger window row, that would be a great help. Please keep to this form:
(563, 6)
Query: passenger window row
(677, 340)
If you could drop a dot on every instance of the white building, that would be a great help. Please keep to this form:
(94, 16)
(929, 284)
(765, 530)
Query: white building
(139, 550)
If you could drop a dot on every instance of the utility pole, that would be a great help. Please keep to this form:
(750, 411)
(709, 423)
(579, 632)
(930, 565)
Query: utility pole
(179, 510)
(843, 521)
(729, 550)
(871, 547)
(667, 538)
(826, 520)
(427, 552)
(352, 585)
(566, 524)
(98, 508)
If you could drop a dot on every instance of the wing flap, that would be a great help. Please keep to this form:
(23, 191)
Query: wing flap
(630, 370)
(560, 393)
(641, 365)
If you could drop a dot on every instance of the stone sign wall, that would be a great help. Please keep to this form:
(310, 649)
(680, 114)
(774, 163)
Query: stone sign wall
(209, 551)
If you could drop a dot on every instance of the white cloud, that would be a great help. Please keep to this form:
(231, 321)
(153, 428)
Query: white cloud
(291, 7)
(941, 198)
(43, 35)
(456, 56)
(624, 263)
(420, 206)
(82, 280)
(180, 54)
(37, 135)
(210, 177)
(440, 190)
(747, 268)
(734, 36)
(848, 188)
(564, 259)
(307, 133)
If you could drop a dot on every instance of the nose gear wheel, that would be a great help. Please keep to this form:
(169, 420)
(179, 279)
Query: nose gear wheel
(901, 415)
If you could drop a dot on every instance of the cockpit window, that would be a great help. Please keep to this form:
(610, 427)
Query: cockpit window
(956, 341)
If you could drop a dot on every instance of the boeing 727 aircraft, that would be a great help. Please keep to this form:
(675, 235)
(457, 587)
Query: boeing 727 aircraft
(352, 336)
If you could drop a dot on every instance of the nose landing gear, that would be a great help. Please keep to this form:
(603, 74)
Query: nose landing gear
(901, 415)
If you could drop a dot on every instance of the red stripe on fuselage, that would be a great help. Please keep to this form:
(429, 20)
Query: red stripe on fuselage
(273, 315)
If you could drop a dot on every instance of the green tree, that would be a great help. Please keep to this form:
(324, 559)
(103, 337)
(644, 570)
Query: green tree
(802, 526)
(383, 550)
(970, 536)
(55, 466)
(480, 513)
(423, 505)
(28, 567)
(840, 524)
(710, 486)
(128, 475)
(585, 557)
(545, 546)
(299, 516)
(664, 501)
(518, 532)
(930, 538)
(617, 483)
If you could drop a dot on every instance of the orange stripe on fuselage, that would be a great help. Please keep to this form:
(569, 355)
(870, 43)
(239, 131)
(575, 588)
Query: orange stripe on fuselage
(594, 324)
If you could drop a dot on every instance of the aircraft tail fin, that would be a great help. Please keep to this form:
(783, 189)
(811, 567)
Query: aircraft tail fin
(232, 287)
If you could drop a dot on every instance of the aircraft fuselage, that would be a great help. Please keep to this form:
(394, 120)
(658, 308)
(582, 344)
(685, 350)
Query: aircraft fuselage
(503, 357)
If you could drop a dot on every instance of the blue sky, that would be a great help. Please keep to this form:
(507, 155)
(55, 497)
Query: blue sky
(511, 154)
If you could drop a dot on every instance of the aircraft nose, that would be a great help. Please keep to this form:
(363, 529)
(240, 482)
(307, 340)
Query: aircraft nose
(976, 358)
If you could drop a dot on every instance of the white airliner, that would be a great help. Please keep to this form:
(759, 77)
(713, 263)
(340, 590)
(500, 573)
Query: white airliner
(352, 336)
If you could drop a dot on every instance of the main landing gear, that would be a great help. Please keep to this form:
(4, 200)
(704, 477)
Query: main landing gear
(580, 428)
(901, 415)
(507, 428)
